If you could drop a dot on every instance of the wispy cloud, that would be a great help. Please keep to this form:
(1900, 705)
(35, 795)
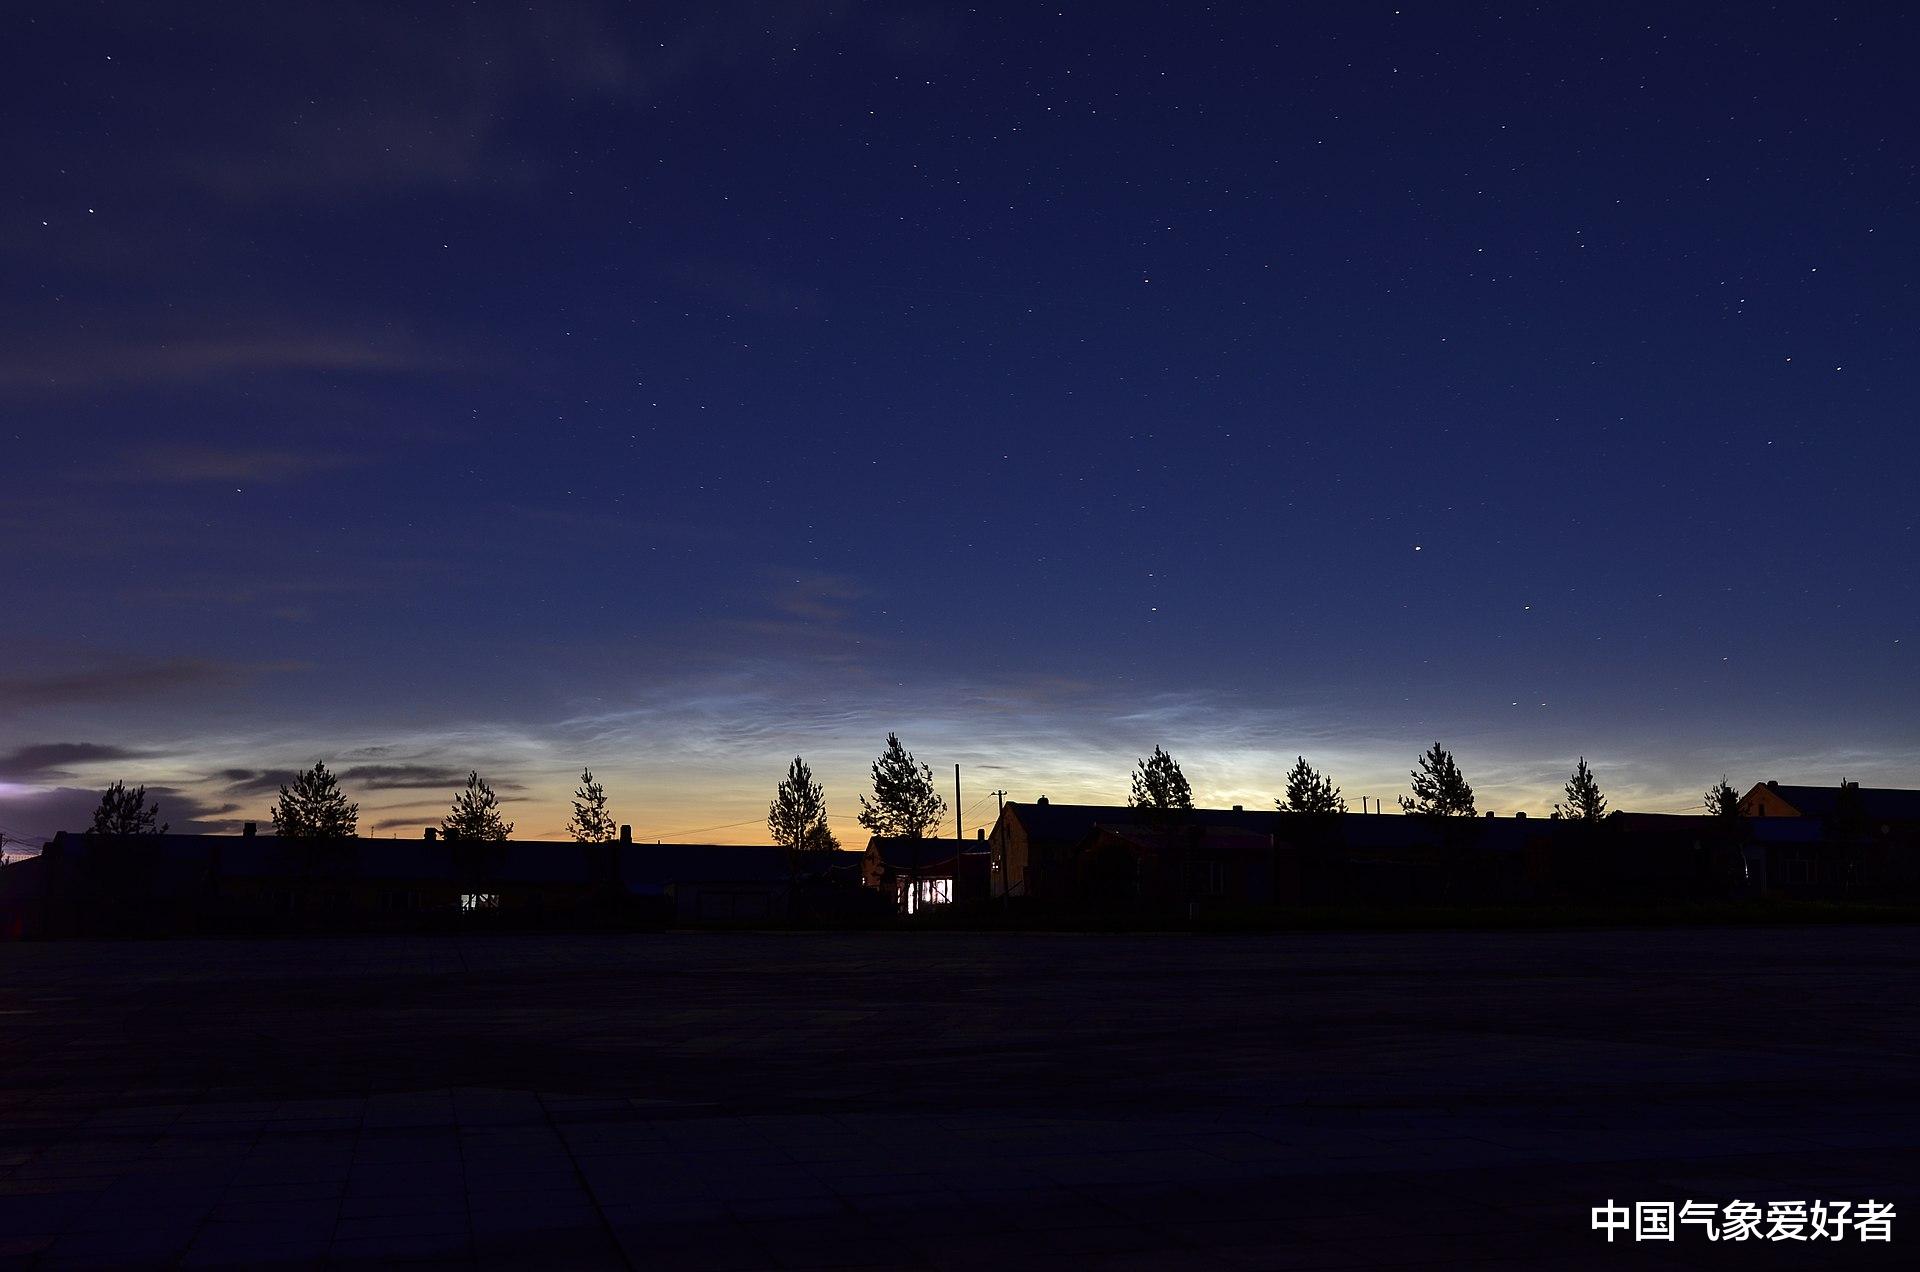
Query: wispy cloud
(411, 777)
(190, 464)
(241, 781)
(820, 598)
(89, 360)
(37, 815)
(434, 104)
(114, 681)
(54, 761)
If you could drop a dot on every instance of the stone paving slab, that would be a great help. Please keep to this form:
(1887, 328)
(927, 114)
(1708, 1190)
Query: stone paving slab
(947, 1100)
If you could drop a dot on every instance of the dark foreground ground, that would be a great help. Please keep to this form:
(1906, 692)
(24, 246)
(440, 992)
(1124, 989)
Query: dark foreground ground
(950, 1100)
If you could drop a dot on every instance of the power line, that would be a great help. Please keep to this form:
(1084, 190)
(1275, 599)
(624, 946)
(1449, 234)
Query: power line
(695, 830)
(974, 807)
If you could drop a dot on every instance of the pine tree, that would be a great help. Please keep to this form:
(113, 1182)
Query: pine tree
(798, 812)
(126, 812)
(1310, 792)
(904, 801)
(592, 823)
(1159, 786)
(1722, 800)
(1438, 788)
(1848, 820)
(1584, 803)
(314, 807)
(476, 814)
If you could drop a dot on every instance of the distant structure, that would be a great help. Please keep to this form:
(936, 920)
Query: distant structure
(916, 873)
(1838, 842)
(1102, 857)
(1884, 804)
(83, 884)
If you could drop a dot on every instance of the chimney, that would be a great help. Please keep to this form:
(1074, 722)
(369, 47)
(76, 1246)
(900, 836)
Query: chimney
(432, 834)
(1772, 785)
(980, 832)
(1520, 816)
(246, 830)
(1042, 801)
(626, 834)
(1239, 809)
(1489, 816)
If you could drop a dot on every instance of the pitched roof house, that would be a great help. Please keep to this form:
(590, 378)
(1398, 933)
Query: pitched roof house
(918, 872)
(1872, 803)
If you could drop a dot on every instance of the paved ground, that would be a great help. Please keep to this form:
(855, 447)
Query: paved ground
(952, 1100)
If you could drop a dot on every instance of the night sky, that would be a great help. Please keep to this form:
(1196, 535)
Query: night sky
(674, 389)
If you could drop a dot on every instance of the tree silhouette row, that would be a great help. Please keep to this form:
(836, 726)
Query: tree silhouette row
(904, 802)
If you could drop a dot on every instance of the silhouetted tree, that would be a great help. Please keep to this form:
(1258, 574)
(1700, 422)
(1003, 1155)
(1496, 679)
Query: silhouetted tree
(1310, 792)
(904, 801)
(1438, 788)
(314, 807)
(1847, 828)
(476, 814)
(1160, 789)
(798, 812)
(1584, 803)
(821, 839)
(1722, 800)
(591, 823)
(1848, 821)
(126, 812)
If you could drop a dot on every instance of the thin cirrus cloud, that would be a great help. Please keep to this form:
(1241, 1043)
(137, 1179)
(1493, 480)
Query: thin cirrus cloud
(37, 815)
(375, 137)
(87, 362)
(411, 777)
(115, 681)
(55, 761)
(187, 465)
(398, 823)
(241, 781)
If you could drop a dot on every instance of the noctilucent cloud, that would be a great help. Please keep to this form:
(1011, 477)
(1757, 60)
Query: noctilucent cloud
(446, 386)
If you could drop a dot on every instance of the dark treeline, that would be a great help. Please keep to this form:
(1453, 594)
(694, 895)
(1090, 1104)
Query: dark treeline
(904, 802)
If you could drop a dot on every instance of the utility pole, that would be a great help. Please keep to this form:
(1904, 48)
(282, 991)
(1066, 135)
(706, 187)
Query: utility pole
(1000, 844)
(959, 838)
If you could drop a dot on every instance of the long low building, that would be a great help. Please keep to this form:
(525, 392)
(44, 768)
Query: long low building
(161, 884)
(1111, 856)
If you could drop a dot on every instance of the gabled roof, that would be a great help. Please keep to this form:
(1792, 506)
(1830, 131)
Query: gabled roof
(1072, 822)
(1877, 803)
(24, 878)
(1783, 830)
(179, 861)
(899, 852)
(1069, 824)
(1206, 837)
(649, 866)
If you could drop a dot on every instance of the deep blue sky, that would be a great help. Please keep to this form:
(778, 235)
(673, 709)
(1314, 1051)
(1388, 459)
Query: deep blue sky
(675, 388)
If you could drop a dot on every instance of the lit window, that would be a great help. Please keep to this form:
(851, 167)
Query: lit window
(914, 893)
(480, 901)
